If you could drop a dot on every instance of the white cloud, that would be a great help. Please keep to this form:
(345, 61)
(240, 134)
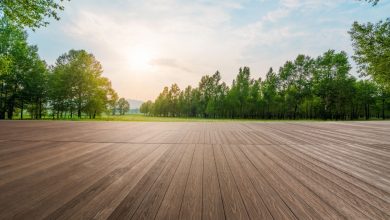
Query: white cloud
(189, 39)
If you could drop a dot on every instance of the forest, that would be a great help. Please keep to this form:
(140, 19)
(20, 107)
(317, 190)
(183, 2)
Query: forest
(320, 87)
(305, 88)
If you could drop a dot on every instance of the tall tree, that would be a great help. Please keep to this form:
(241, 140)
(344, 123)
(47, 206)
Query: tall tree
(269, 92)
(21, 63)
(333, 83)
(295, 82)
(77, 84)
(240, 92)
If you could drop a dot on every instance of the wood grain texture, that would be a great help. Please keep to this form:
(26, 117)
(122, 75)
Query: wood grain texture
(197, 170)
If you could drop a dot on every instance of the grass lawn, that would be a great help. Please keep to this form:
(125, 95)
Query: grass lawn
(144, 118)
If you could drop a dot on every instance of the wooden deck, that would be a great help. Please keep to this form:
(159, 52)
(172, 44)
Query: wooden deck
(121, 170)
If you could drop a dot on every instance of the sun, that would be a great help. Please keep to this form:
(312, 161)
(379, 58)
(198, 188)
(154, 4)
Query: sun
(140, 58)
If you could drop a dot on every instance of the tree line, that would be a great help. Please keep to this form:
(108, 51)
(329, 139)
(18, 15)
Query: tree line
(305, 88)
(73, 87)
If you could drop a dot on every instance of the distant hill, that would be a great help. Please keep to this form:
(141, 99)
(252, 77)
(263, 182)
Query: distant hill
(135, 104)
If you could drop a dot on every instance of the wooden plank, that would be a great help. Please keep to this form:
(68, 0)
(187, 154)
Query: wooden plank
(232, 201)
(212, 198)
(149, 207)
(54, 196)
(131, 202)
(275, 204)
(341, 199)
(350, 180)
(296, 202)
(78, 202)
(170, 206)
(105, 202)
(191, 207)
(253, 202)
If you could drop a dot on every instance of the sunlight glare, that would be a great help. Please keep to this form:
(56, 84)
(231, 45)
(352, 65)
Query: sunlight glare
(139, 58)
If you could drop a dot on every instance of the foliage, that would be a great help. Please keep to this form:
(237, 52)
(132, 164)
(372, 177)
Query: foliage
(23, 76)
(76, 85)
(123, 106)
(371, 44)
(30, 13)
(305, 88)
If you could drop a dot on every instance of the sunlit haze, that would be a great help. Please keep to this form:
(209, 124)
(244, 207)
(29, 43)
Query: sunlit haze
(145, 45)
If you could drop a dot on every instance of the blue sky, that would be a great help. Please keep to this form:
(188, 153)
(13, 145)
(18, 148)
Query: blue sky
(145, 45)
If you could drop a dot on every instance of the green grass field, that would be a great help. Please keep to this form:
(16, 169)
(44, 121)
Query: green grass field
(144, 118)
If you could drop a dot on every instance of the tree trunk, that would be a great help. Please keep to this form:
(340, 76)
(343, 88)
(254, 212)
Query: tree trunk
(383, 108)
(2, 107)
(10, 110)
(295, 111)
(79, 107)
(40, 108)
(79, 112)
(21, 111)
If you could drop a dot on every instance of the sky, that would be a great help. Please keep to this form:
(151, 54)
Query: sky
(146, 45)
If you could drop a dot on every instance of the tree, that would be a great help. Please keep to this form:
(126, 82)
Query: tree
(77, 85)
(173, 100)
(123, 106)
(240, 92)
(35, 87)
(295, 82)
(332, 84)
(146, 107)
(371, 44)
(269, 93)
(23, 76)
(112, 100)
(30, 13)
(366, 93)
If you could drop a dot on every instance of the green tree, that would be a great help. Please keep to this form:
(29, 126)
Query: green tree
(112, 100)
(366, 93)
(21, 65)
(123, 106)
(35, 87)
(295, 83)
(332, 84)
(77, 85)
(146, 107)
(30, 13)
(269, 93)
(173, 100)
(240, 92)
(371, 44)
